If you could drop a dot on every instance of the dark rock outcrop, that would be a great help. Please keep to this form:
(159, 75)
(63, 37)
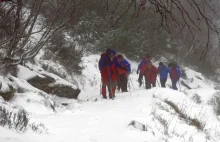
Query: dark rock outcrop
(61, 90)
(138, 125)
(7, 95)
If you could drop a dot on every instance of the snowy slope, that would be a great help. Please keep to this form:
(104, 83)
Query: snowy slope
(185, 115)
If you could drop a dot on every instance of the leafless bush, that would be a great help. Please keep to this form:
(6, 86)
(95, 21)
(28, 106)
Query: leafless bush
(14, 120)
(164, 123)
(215, 102)
(191, 121)
(65, 52)
(38, 128)
(162, 107)
(196, 98)
(19, 121)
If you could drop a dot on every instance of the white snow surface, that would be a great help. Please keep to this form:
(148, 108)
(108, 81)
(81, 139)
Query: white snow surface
(169, 115)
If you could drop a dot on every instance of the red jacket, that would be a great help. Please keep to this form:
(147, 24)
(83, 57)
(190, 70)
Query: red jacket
(151, 74)
(113, 72)
(121, 71)
(107, 69)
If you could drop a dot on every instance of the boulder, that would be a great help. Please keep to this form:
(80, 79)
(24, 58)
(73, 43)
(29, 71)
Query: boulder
(138, 125)
(7, 95)
(65, 91)
(48, 85)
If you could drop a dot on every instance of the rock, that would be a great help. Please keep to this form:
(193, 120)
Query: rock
(8, 94)
(65, 91)
(41, 82)
(61, 90)
(1, 99)
(138, 125)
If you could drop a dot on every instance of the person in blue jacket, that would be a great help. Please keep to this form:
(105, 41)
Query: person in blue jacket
(174, 74)
(163, 71)
(123, 70)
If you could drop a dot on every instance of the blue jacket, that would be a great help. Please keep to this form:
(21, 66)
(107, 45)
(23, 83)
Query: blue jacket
(164, 70)
(104, 61)
(124, 64)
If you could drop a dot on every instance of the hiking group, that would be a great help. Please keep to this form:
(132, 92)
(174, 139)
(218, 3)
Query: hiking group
(115, 72)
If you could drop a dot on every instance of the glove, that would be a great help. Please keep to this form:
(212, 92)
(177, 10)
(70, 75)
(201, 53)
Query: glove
(137, 71)
(124, 68)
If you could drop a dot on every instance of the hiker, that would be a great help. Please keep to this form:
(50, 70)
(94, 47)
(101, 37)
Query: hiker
(107, 69)
(150, 74)
(123, 70)
(163, 71)
(142, 66)
(174, 74)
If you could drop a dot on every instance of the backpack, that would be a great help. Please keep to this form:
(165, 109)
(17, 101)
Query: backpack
(175, 73)
(103, 60)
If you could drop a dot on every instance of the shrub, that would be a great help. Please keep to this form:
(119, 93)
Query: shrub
(191, 121)
(215, 102)
(14, 120)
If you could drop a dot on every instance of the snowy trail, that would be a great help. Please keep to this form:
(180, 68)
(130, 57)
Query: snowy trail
(104, 120)
(100, 121)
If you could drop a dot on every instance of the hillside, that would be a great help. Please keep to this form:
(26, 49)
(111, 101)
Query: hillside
(184, 115)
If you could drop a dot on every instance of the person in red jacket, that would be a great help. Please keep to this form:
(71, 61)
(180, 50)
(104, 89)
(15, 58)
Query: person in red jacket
(150, 75)
(107, 67)
(175, 74)
(142, 67)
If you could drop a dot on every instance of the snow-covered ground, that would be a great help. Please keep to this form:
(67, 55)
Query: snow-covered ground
(169, 116)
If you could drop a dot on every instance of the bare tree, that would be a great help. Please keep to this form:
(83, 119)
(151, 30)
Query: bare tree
(188, 20)
(19, 43)
(192, 22)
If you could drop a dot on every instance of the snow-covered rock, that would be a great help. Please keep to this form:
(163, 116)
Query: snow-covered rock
(48, 82)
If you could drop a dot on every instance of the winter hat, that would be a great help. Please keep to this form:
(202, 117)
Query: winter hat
(170, 65)
(120, 56)
(111, 52)
(149, 63)
(161, 64)
(108, 49)
(147, 55)
(174, 64)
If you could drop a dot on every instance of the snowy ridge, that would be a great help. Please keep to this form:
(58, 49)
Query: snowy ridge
(168, 115)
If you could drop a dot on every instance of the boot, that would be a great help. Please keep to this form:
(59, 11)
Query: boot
(104, 97)
(114, 96)
(140, 84)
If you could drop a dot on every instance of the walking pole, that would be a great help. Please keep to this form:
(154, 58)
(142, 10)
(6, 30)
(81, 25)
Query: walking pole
(110, 85)
(158, 83)
(118, 81)
(101, 88)
(179, 85)
(128, 84)
(131, 82)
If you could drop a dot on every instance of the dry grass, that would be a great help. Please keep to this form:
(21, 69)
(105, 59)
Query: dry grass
(191, 121)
